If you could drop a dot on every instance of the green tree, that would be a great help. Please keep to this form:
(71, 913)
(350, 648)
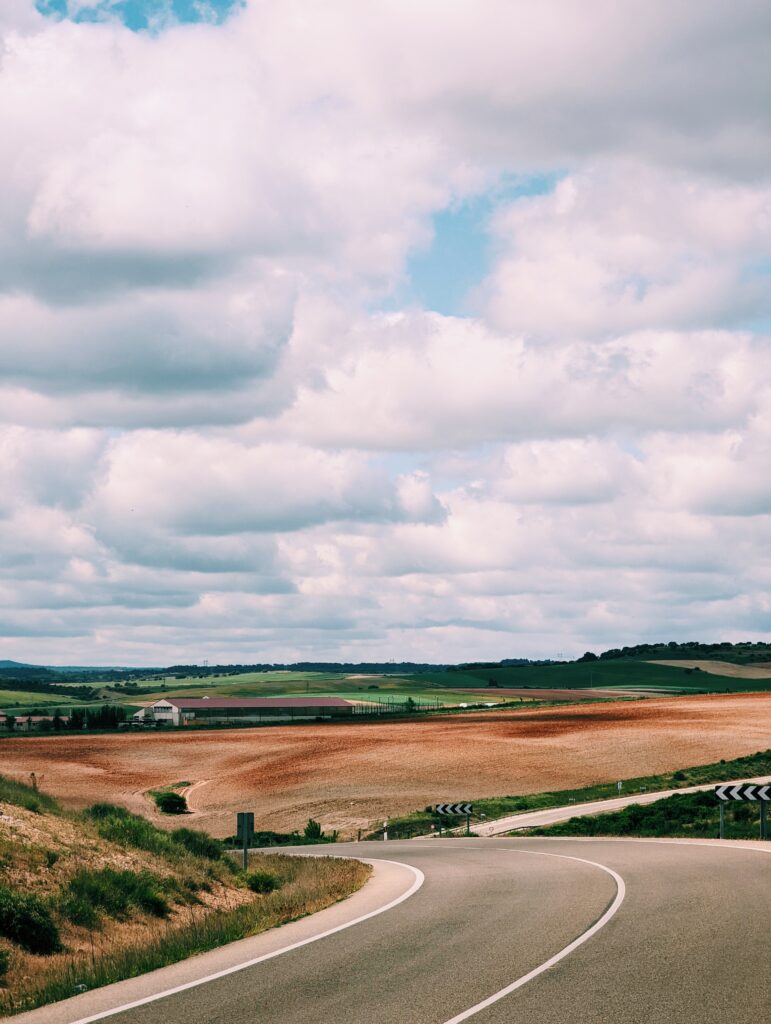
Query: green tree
(77, 718)
(313, 830)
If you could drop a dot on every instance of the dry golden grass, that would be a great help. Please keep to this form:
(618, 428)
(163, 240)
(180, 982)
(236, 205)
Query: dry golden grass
(41, 853)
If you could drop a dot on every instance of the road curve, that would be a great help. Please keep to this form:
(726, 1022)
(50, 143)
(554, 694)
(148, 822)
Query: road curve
(552, 815)
(522, 931)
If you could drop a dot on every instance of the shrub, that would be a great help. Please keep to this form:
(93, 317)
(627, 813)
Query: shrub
(25, 919)
(313, 830)
(100, 811)
(79, 911)
(113, 892)
(262, 881)
(169, 802)
(5, 963)
(120, 826)
(198, 843)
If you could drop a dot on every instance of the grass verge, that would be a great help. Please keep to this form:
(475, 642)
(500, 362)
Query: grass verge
(684, 815)
(90, 898)
(420, 822)
(303, 886)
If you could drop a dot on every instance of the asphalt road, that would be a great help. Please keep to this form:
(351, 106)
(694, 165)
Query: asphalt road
(635, 931)
(537, 819)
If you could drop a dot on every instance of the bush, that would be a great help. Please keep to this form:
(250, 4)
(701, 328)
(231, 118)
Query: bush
(198, 843)
(120, 826)
(26, 920)
(5, 963)
(169, 802)
(262, 881)
(113, 892)
(313, 830)
(101, 811)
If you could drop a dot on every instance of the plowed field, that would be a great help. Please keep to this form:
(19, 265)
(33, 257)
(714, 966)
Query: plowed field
(347, 775)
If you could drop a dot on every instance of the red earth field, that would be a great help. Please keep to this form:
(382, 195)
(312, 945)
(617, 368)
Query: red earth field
(347, 775)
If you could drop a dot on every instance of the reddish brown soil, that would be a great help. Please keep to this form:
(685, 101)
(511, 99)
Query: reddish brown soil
(347, 775)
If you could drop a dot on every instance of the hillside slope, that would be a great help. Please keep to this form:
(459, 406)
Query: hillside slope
(90, 898)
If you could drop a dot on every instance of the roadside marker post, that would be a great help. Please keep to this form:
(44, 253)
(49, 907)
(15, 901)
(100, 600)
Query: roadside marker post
(457, 809)
(745, 791)
(245, 832)
(385, 831)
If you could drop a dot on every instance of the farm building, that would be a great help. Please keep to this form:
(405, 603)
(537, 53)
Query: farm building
(219, 710)
(26, 723)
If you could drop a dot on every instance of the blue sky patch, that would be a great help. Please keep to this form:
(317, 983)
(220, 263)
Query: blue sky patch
(142, 15)
(442, 277)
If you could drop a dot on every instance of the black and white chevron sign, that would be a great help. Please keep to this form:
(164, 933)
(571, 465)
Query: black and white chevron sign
(454, 808)
(744, 791)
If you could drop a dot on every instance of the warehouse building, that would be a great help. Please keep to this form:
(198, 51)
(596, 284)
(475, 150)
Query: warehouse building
(223, 710)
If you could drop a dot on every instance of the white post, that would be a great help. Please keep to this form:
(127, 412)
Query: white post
(385, 830)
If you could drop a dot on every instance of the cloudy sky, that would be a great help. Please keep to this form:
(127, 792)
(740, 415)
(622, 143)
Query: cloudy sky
(422, 329)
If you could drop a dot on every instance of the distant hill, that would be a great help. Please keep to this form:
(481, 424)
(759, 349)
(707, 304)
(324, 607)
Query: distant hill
(14, 664)
(742, 653)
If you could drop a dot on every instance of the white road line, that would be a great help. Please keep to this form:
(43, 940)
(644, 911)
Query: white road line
(419, 879)
(584, 937)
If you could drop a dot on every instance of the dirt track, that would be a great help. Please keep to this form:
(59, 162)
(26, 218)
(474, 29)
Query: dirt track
(349, 775)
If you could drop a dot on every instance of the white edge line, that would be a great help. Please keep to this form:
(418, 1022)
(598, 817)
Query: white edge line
(584, 937)
(417, 883)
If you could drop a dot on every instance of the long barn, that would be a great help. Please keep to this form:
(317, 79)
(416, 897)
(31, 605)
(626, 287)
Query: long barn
(220, 710)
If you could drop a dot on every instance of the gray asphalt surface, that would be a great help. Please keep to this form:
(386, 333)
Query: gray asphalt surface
(689, 944)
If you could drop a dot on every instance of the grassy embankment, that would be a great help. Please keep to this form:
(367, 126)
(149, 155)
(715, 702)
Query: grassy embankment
(684, 815)
(88, 899)
(420, 822)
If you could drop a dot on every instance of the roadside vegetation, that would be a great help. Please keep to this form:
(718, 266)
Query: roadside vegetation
(312, 835)
(684, 815)
(420, 822)
(93, 897)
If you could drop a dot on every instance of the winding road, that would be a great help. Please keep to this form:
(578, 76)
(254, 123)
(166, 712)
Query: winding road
(515, 930)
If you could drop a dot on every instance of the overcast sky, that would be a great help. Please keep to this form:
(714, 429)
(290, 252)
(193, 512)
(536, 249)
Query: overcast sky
(415, 329)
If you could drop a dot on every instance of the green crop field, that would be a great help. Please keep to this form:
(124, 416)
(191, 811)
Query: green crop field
(433, 685)
(29, 699)
(592, 674)
(327, 684)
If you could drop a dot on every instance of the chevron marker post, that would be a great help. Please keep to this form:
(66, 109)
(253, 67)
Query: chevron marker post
(745, 791)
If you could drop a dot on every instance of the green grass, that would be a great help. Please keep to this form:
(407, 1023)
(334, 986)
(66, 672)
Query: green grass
(611, 673)
(31, 699)
(419, 822)
(302, 886)
(26, 920)
(23, 795)
(120, 826)
(114, 894)
(684, 815)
